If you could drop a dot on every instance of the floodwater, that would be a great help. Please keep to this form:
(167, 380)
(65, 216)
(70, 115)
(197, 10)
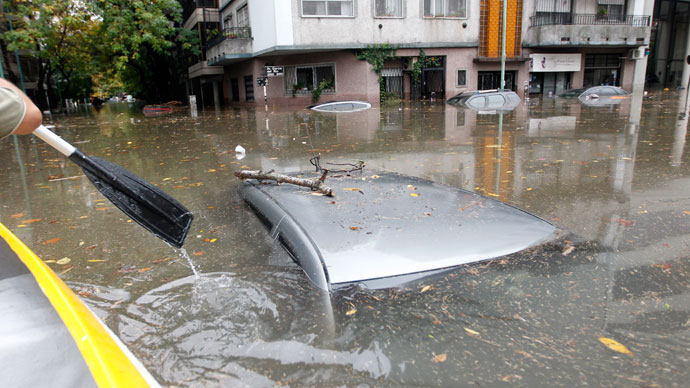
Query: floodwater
(235, 311)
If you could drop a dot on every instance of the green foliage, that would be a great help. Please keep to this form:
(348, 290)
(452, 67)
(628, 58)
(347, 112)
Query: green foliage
(132, 41)
(417, 67)
(59, 33)
(377, 55)
(316, 93)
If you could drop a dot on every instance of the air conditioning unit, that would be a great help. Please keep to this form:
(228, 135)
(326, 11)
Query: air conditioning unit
(637, 53)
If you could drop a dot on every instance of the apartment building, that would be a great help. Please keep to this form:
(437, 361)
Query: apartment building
(551, 45)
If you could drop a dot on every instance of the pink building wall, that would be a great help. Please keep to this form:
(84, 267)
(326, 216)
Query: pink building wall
(354, 79)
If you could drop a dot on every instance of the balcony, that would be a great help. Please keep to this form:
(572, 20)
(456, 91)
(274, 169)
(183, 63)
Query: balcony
(189, 7)
(560, 18)
(233, 45)
(552, 29)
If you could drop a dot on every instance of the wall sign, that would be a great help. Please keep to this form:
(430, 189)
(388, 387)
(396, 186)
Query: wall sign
(543, 63)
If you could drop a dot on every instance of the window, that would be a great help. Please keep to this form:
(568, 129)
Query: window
(445, 8)
(249, 88)
(462, 78)
(243, 16)
(327, 8)
(305, 78)
(388, 8)
(227, 22)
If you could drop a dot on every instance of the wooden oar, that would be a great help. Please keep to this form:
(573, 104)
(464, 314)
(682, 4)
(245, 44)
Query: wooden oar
(143, 202)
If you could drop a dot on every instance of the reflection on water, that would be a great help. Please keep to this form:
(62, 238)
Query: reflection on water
(615, 176)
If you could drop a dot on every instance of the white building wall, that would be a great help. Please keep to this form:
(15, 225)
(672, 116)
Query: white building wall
(364, 29)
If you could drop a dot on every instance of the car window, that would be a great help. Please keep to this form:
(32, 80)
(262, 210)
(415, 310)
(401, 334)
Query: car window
(591, 91)
(606, 91)
(477, 102)
(621, 92)
(495, 101)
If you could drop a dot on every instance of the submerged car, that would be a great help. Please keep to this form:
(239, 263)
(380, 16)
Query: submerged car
(487, 100)
(594, 92)
(340, 106)
(383, 229)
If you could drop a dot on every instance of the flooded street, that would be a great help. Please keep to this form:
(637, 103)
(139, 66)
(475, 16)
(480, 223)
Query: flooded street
(232, 309)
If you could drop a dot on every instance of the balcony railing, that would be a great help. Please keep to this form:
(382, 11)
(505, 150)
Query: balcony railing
(561, 18)
(231, 33)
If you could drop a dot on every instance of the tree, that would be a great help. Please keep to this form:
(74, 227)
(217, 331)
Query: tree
(59, 34)
(82, 42)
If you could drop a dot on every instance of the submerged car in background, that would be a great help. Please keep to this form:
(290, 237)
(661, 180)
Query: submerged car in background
(381, 229)
(340, 106)
(487, 100)
(597, 95)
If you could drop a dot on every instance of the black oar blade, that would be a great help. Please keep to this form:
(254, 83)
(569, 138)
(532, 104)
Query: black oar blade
(144, 203)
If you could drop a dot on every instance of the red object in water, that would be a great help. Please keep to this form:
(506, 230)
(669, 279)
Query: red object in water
(153, 110)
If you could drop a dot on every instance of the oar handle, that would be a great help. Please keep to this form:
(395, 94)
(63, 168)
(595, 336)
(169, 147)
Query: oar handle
(54, 140)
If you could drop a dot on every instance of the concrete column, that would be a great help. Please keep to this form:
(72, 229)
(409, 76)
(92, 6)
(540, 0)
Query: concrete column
(641, 8)
(216, 95)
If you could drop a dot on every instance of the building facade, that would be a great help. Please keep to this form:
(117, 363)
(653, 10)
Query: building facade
(444, 47)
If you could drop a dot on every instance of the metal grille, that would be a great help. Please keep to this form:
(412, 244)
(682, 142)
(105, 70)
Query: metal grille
(549, 19)
(249, 88)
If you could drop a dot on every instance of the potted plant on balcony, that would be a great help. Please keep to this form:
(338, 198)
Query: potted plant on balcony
(602, 13)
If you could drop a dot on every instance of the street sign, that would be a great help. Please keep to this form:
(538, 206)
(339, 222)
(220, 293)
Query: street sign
(274, 71)
(261, 81)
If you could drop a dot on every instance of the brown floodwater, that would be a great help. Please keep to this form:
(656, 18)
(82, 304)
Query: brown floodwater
(236, 311)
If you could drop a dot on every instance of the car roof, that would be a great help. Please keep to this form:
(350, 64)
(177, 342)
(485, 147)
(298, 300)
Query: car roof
(340, 106)
(382, 225)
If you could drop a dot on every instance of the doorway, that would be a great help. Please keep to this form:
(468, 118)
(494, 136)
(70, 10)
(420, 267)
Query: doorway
(235, 87)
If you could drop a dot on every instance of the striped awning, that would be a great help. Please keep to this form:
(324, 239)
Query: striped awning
(391, 72)
(611, 2)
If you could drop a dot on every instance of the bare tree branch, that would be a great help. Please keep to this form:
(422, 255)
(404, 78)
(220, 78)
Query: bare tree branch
(314, 184)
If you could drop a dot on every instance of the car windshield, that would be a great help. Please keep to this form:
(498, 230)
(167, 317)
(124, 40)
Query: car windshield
(573, 92)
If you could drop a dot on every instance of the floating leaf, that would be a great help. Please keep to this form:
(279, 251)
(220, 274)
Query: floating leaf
(426, 288)
(440, 357)
(470, 331)
(145, 269)
(31, 221)
(200, 253)
(414, 194)
(95, 261)
(17, 215)
(685, 212)
(52, 240)
(351, 312)
(64, 260)
(354, 227)
(568, 250)
(615, 345)
(351, 188)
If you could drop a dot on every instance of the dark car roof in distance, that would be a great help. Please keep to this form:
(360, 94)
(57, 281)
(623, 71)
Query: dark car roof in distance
(382, 225)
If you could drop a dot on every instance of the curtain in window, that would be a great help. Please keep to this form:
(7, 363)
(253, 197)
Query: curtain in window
(445, 8)
(243, 16)
(327, 8)
(553, 5)
(390, 8)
